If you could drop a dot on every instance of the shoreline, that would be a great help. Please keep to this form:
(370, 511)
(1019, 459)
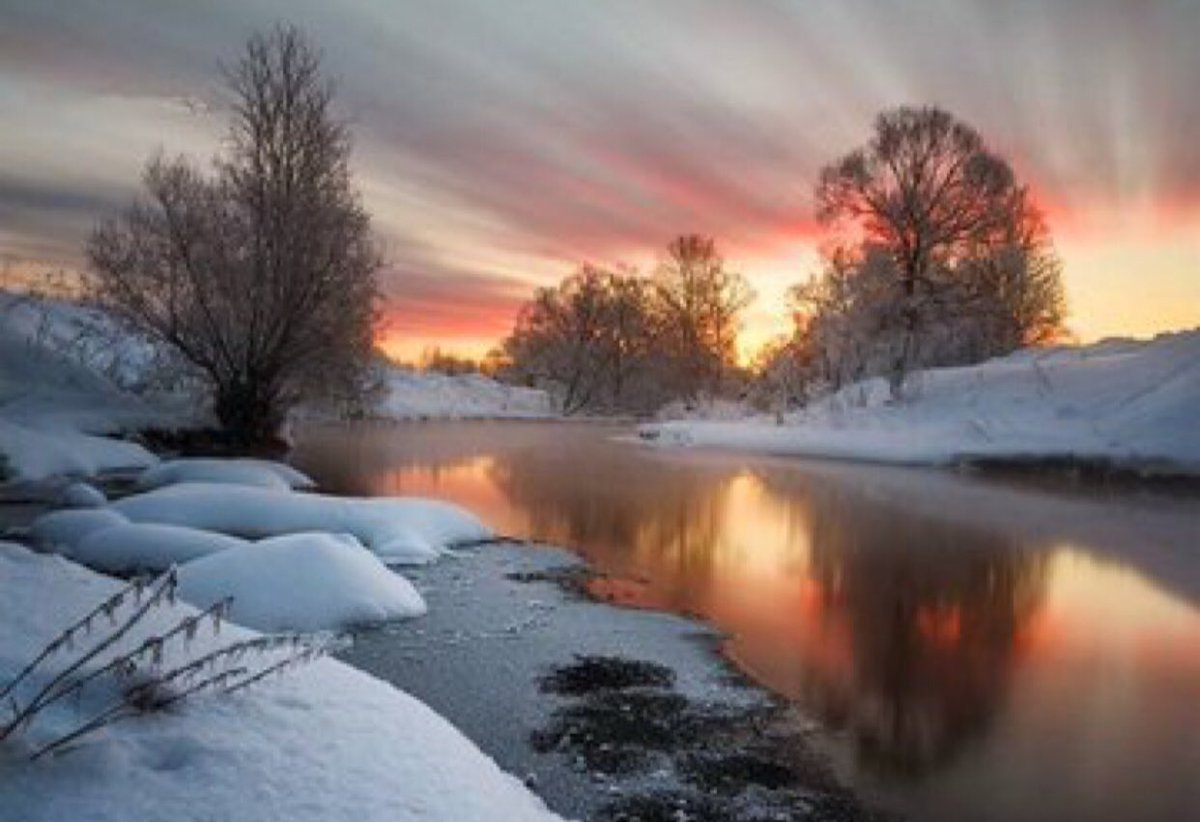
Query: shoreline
(507, 617)
(508, 620)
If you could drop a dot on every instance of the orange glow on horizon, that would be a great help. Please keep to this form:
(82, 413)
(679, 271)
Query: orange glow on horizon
(1155, 257)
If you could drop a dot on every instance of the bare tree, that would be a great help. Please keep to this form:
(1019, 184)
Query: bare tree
(262, 273)
(699, 303)
(586, 339)
(927, 191)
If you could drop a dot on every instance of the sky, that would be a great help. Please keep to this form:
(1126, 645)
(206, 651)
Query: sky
(500, 144)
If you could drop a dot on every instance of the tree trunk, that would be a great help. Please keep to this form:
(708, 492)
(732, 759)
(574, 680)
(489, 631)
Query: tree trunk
(248, 411)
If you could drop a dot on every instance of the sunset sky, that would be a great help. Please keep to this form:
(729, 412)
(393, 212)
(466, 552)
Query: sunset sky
(498, 144)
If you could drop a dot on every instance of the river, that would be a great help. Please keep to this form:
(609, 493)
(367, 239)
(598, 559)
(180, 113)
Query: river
(977, 649)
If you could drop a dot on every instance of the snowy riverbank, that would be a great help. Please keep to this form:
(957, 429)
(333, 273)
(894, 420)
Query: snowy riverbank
(424, 395)
(325, 743)
(71, 379)
(1127, 404)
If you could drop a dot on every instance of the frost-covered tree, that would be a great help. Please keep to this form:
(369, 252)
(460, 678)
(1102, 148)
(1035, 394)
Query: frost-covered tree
(587, 340)
(968, 257)
(616, 341)
(698, 304)
(260, 274)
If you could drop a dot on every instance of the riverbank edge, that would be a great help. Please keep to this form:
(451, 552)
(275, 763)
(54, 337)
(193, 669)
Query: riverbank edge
(23, 502)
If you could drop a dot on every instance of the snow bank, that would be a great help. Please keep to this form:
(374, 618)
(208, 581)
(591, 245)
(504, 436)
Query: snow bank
(400, 531)
(413, 395)
(242, 471)
(59, 529)
(134, 546)
(65, 371)
(326, 743)
(1133, 404)
(304, 582)
(82, 495)
(31, 453)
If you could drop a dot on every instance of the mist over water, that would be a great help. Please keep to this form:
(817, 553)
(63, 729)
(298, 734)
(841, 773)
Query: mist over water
(979, 650)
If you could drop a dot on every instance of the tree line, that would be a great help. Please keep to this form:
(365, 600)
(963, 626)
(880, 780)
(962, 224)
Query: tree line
(612, 340)
(259, 273)
(933, 255)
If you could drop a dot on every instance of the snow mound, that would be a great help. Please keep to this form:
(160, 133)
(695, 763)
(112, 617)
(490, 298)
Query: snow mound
(135, 546)
(38, 453)
(305, 582)
(59, 529)
(400, 531)
(326, 743)
(82, 495)
(252, 472)
(1128, 403)
(413, 395)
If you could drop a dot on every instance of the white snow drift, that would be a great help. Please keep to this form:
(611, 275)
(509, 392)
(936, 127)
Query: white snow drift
(1133, 404)
(414, 395)
(325, 743)
(301, 582)
(238, 471)
(34, 453)
(63, 529)
(400, 531)
(135, 546)
(65, 371)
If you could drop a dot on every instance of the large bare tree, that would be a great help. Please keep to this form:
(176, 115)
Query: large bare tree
(261, 274)
(949, 214)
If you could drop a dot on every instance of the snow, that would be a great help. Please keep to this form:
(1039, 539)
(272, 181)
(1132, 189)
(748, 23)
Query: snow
(411, 395)
(135, 546)
(36, 453)
(325, 743)
(242, 471)
(304, 582)
(82, 495)
(401, 531)
(65, 371)
(59, 529)
(1134, 404)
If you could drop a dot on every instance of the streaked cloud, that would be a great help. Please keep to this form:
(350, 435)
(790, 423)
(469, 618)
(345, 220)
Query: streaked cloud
(498, 144)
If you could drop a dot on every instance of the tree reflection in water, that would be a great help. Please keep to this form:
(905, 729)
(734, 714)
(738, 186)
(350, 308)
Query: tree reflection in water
(906, 627)
(925, 615)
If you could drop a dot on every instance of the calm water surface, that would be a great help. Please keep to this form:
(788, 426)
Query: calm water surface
(980, 650)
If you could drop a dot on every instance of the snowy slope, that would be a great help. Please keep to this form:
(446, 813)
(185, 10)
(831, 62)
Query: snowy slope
(1131, 403)
(326, 743)
(428, 395)
(65, 371)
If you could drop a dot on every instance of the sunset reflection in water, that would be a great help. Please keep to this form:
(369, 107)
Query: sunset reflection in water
(965, 643)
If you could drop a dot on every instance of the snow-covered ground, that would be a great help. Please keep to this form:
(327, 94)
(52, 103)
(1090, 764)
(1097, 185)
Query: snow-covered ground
(325, 743)
(66, 375)
(414, 395)
(318, 562)
(69, 373)
(402, 531)
(1134, 404)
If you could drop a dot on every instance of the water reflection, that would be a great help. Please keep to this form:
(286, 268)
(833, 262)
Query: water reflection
(948, 629)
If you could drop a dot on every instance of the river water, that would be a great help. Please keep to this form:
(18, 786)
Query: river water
(977, 649)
